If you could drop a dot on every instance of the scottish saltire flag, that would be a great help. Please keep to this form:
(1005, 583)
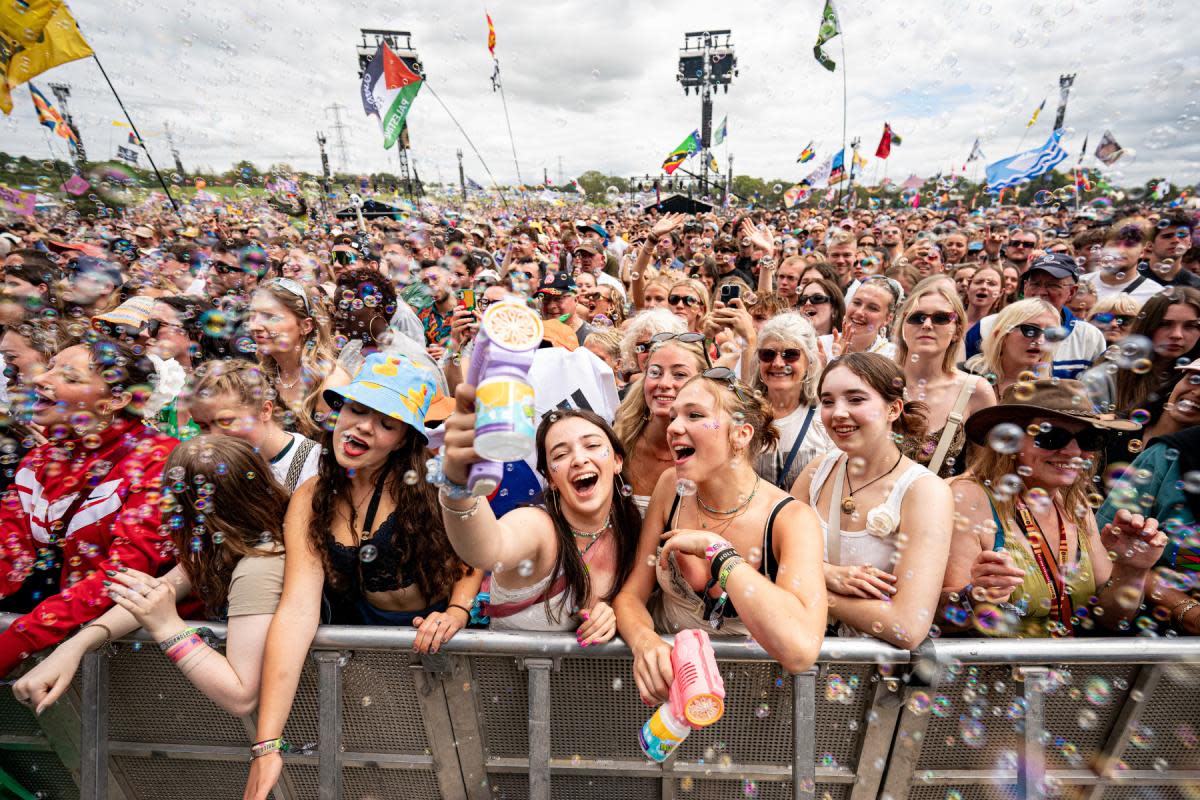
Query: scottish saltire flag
(722, 131)
(48, 115)
(806, 154)
(389, 88)
(1008, 172)
(687, 148)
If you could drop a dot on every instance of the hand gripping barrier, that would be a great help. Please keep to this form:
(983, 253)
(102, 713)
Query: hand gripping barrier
(515, 715)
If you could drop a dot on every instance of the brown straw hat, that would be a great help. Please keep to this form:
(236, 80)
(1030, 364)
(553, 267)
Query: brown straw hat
(1047, 397)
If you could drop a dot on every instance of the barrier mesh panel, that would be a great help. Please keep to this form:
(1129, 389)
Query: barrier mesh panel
(1149, 793)
(301, 726)
(578, 787)
(380, 713)
(739, 789)
(16, 719)
(371, 783)
(151, 701)
(41, 773)
(757, 726)
(974, 717)
(966, 792)
(503, 700)
(304, 780)
(1167, 734)
(179, 779)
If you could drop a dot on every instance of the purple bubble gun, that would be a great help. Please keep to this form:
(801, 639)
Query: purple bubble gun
(509, 335)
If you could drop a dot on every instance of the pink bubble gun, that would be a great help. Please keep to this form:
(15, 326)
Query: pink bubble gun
(696, 699)
(509, 335)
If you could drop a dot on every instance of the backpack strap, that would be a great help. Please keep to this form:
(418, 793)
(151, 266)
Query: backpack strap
(297, 465)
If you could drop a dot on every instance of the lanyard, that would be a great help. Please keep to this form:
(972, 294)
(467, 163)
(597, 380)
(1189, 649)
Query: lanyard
(1051, 571)
(783, 469)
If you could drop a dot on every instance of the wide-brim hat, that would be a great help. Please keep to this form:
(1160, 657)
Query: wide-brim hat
(133, 313)
(392, 384)
(1055, 398)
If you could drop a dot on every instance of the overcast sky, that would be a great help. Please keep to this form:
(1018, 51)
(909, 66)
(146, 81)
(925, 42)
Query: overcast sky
(593, 83)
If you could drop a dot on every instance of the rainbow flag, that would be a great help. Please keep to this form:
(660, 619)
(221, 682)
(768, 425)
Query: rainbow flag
(48, 115)
(687, 148)
(806, 154)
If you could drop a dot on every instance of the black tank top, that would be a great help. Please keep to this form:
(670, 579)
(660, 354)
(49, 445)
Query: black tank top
(378, 563)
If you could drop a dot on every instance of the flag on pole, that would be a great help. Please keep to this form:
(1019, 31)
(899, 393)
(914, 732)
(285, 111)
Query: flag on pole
(829, 29)
(885, 142)
(491, 35)
(819, 177)
(837, 170)
(687, 148)
(49, 116)
(1108, 151)
(35, 36)
(389, 88)
(797, 194)
(721, 132)
(125, 154)
(1036, 111)
(976, 152)
(134, 140)
(1025, 166)
(806, 154)
(712, 163)
(859, 161)
(1083, 150)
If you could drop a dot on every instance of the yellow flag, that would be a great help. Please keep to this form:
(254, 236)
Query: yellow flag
(118, 124)
(38, 37)
(859, 161)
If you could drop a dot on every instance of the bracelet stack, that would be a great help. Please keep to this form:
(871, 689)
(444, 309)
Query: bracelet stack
(260, 749)
(461, 513)
(437, 476)
(1180, 610)
(182, 644)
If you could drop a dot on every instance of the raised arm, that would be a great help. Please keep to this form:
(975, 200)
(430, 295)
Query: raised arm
(290, 634)
(926, 521)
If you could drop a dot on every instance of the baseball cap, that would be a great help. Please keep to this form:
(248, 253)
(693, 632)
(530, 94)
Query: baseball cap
(1057, 265)
(557, 284)
(588, 247)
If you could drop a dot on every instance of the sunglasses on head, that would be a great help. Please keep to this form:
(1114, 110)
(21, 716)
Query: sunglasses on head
(938, 318)
(687, 299)
(790, 355)
(814, 299)
(1056, 438)
(691, 337)
(1031, 331)
(725, 375)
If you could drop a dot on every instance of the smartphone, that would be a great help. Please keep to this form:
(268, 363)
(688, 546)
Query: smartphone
(730, 291)
(466, 299)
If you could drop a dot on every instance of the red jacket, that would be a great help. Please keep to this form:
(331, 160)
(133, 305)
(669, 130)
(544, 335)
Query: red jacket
(117, 525)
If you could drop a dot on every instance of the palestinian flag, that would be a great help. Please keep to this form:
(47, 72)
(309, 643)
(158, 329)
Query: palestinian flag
(389, 88)
(688, 147)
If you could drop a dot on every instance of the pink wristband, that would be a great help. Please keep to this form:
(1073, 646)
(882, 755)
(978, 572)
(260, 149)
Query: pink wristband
(179, 651)
(711, 551)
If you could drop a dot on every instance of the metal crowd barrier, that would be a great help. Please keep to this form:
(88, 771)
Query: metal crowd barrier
(511, 715)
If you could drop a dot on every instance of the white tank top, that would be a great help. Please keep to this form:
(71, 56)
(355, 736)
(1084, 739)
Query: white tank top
(864, 546)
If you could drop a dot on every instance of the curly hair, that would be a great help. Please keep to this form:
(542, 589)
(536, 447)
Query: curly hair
(242, 506)
(418, 521)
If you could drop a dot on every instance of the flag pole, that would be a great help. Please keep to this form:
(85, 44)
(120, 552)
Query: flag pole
(845, 102)
(471, 144)
(129, 119)
(508, 124)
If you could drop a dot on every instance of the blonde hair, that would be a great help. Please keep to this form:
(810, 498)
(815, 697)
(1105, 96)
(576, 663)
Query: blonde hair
(1013, 315)
(696, 286)
(633, 414)
(651, 321)
(242, 379)
(1119, 303)
(608, 338)
(942, 286)
(737, 398)
(988, 467)
(317, 357)
(793, 327)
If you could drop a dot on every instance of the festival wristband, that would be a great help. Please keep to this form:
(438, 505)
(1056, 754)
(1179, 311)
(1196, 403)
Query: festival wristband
(715, 548)
(168, 643)
(719, 560)
(727, 570)
(269, 746)
(182, 649)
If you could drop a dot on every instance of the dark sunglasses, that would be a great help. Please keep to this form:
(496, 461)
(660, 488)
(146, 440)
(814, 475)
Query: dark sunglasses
(790, 355)
(686, 299)
(1021, 244)
(155, 325)
(1057, 438)
(1031, 331)
(1122, 320)
(227, 269)
(814, 299)
(939, 318)
(344, 258)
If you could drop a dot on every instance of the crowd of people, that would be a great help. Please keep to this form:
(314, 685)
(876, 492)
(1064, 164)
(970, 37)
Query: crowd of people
(823, 422)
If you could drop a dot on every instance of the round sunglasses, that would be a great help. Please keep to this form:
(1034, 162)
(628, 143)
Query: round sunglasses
(790, 355)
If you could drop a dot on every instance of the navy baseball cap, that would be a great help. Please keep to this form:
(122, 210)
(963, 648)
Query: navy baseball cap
(1058, 265)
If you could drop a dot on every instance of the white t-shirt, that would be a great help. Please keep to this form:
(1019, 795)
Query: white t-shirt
(816, 442)
(1142, 292)
(283, 466)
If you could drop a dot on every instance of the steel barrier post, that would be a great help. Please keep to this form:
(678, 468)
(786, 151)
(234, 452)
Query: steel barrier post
(804, 735)
(539, 726)
(1031, 754)
(329, 725)
(93, 735)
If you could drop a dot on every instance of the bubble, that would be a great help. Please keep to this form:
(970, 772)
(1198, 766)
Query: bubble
(1135, 445)
(763, 710)
(367, 553)
(1097, 691)
(1087, 719)
(1005, 438)
(971, 731)
(919, 703)
(1057, 334)
(777, 188)
(856, 466)
(525, 568)
(410, 477)
(626, 490)
(617, 683)
(1023, 390)
(1191, 482)
(1133, 349)
(685, 487)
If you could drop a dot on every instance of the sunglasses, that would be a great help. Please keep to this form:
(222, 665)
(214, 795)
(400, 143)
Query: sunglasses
(1020, 244)
(155, 325)
(789, 355)
(1056, 438)
(1031, 331)
(1121, 320)
(939, 318)
(725, 375)
(815, 299)
(687, 299)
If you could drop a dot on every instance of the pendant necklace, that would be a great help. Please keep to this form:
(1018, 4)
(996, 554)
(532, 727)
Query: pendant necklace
(848, 503)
